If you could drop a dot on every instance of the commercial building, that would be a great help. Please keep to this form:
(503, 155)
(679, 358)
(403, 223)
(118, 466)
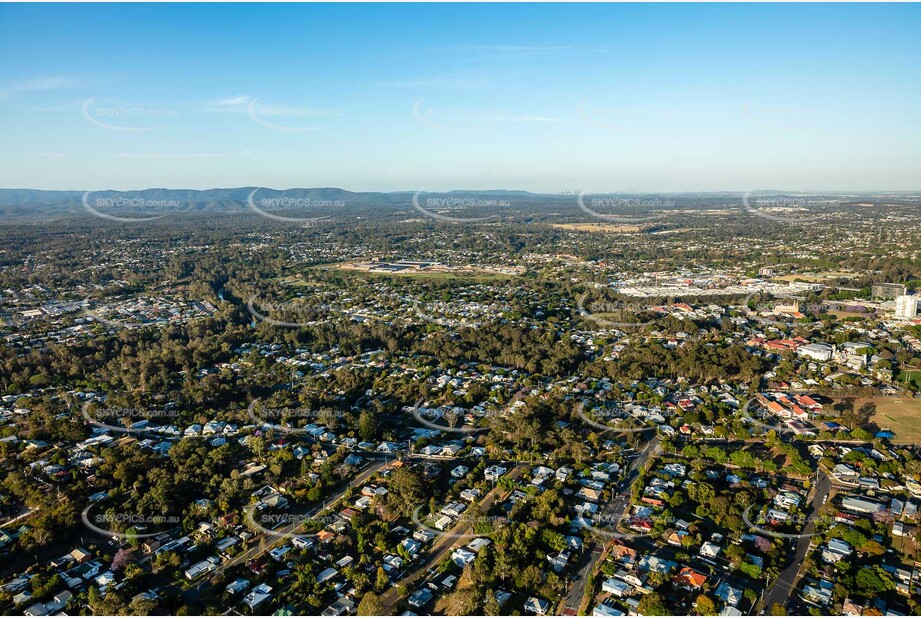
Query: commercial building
(861, 505)
(888, 291)
(906, 307)
(816, 351)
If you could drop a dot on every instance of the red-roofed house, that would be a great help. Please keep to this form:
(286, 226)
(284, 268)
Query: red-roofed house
(799, 413)
(689, 578)
(778, 410)
(808, 402)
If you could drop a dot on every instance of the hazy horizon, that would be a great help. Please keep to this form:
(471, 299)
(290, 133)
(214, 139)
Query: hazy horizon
(561, 193)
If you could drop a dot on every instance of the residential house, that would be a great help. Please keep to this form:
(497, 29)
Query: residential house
(536, 606)
(689, 579)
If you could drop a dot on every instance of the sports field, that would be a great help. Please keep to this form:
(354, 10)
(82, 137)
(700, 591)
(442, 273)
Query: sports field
(598, 227)
(903, 419)
(912, 376)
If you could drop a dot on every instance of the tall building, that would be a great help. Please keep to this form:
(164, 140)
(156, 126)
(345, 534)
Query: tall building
(888, 291)
(906, 307)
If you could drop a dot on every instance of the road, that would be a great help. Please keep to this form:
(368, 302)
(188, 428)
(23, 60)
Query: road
(446, 542)
(574, 599)
(785, 585)
(613, 512)
(257, 550)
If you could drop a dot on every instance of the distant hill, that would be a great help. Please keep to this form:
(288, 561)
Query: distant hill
(36, 202)
(237, 195)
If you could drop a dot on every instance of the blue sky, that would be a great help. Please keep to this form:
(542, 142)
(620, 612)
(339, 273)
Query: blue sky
(540, 97)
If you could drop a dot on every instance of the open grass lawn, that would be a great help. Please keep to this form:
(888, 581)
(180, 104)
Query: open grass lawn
(800, 277)
(465, 274)
(299, 281)
(913, 376)
(461, 275)
(842, 315)
(904, 419)
(598, 227)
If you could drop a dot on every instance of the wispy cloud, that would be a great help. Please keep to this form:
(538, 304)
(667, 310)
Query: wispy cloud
(57, 108)
(48, 155)
(243, 99)
(39, 85)
(233, 104)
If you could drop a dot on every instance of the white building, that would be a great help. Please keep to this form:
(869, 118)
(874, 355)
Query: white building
(616, 587)
(816, 351)
(906, 307)
(257, 595)
(709, 550)
(462, 557)
(860, 505)
(536, 606)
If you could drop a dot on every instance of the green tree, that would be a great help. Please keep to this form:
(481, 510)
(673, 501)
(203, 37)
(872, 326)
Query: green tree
(705, 605)
(371, 605)
(367, 425)
(778, 610)
(653, 604)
